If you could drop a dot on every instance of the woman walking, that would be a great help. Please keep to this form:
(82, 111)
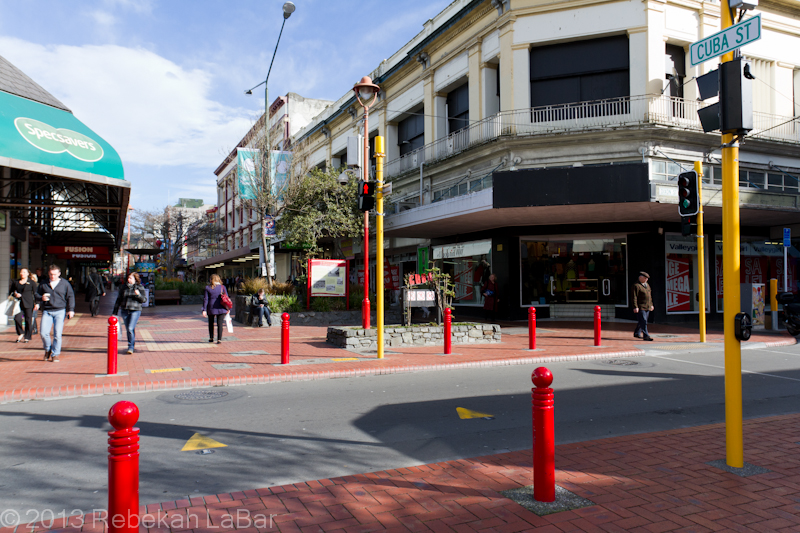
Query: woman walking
(213, 308)
(24, 291)
(129, 300)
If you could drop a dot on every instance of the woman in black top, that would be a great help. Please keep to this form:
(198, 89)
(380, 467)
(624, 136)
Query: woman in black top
(129, 300)
(23, 290)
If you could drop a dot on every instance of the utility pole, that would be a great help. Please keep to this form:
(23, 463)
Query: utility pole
(380, 153)
(731, 265)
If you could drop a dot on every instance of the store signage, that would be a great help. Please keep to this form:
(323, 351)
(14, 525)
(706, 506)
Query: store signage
(467, 249)
(96, 257)
(103, 250)
(678, 287)
(57, 140)
(726, 40)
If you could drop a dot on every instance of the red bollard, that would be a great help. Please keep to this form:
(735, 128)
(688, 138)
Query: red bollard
(448, 326)
(544, 442)
(285, 339)
(123, 469)
(531, 328)
(597, 325)
(112, 346)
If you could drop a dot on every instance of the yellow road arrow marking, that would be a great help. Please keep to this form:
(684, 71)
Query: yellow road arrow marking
(201, 442)
(464, 414)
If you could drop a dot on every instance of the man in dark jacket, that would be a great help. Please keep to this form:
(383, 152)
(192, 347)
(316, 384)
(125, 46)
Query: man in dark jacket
(94, 289)
(57, 302)
(642, 305)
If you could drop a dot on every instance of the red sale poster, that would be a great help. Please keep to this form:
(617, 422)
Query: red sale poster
(678, 288)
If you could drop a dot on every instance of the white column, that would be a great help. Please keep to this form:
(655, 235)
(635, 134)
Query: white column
(475, 85)
(507, 65)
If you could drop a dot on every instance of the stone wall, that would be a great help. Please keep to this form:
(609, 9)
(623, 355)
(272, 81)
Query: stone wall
(396, 336)
(312, 318)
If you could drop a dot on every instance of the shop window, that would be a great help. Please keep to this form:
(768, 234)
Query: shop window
(682, 275)
(573, 271)
(469, 267)
(761, 260)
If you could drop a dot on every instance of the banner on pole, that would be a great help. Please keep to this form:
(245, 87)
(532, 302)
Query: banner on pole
(247, 172)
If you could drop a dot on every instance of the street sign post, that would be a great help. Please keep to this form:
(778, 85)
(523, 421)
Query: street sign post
(787, 242)
(726, 40)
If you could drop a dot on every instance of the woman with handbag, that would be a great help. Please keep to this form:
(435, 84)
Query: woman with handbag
(216, 305)
(129, 300)
(23, 292)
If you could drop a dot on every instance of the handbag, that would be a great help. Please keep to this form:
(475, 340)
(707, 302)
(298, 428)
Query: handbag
(226, 301)
(12, 308)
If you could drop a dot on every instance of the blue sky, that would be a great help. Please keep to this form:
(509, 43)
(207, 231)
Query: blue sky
(164, 81)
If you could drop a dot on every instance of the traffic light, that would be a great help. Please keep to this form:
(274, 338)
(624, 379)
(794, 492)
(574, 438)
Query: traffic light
(688, 195)
(366, 195)
(734, 111)
(688, 226)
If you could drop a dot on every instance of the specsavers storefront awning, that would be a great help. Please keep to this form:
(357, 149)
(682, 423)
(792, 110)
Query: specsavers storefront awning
(61, 177)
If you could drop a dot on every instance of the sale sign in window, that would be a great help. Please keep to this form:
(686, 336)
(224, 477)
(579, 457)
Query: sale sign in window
(679, 289)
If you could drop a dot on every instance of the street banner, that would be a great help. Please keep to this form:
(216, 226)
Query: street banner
(678, 287)
(281, 164)
(269, 226)
(247, 172)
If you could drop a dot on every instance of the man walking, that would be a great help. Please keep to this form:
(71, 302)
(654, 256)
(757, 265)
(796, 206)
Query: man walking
(58, 302)
(642, 305)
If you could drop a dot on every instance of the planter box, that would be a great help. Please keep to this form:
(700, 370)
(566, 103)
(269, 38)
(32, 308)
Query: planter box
(192, 299)
(397, 336)
(241, 311)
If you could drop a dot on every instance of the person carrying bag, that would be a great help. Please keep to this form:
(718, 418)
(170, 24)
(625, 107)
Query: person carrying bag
(215, 308)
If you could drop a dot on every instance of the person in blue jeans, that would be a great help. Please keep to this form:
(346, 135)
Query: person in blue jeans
(57, 303)
(129, 300)
(260, 308)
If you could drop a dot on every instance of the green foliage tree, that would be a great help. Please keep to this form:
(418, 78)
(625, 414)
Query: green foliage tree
(318, 207)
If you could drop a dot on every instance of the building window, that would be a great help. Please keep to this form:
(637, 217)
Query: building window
(411, 133)
(580, 71)
(676, 70)
(458, 108)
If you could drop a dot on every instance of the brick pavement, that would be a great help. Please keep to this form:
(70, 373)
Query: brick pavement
(173, 351)
(650, 482)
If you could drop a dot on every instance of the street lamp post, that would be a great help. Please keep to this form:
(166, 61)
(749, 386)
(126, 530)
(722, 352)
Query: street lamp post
(366, 94)
(288, 9)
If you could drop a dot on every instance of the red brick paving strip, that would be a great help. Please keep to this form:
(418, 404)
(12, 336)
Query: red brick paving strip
(649, 482)
(180, 340)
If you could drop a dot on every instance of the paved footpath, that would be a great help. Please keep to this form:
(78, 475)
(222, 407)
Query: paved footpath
(649, 482)
(173, 352)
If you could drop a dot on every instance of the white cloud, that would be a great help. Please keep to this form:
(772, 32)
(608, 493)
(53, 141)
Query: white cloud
(103, 18)
(152, 110)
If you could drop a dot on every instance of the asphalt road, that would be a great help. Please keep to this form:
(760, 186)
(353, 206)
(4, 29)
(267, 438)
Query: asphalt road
(54, 452)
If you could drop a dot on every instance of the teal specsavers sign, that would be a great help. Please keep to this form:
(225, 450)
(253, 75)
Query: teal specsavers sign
(40, 134)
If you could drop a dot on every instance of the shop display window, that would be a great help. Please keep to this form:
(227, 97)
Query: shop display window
(681, 287)
(557, 270)
(469, 267)
(761, 260)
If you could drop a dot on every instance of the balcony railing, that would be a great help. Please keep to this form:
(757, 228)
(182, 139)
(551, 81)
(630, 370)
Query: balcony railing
(584, 116)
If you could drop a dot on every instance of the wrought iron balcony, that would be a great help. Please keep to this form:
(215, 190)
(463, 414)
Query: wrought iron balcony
(579, 117)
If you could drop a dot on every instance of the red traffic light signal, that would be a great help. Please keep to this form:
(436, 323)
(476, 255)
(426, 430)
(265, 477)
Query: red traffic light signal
(366, 195)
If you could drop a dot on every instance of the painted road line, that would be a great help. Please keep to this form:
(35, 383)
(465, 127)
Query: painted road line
(466, 414)
(722, 367)
(201, 442)
(162, 370)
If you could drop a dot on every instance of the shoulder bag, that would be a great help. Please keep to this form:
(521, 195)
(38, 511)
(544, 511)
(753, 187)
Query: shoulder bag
(226, 301)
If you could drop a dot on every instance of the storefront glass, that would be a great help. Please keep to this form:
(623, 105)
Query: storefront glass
(682, 279)
(469, 266)
(761, 260)
(558, 270)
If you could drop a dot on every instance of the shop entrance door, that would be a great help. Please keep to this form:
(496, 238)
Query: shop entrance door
(579, 270)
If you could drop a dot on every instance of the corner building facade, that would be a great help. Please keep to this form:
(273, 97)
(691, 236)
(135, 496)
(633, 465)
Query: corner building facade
(545, 139)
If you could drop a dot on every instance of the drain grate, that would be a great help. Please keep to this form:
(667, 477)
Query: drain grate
(201, 395)
(621, 362)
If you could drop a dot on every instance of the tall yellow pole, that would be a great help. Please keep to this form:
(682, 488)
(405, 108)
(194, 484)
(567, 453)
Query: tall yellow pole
(731, 265)
(380, 153)
(701, 263)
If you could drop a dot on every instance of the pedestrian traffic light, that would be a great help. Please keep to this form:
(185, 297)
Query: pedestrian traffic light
(366, 195)
(688, 226)
(688, 195)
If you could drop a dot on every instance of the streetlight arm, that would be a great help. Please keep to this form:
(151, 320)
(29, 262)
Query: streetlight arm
(275, 52)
